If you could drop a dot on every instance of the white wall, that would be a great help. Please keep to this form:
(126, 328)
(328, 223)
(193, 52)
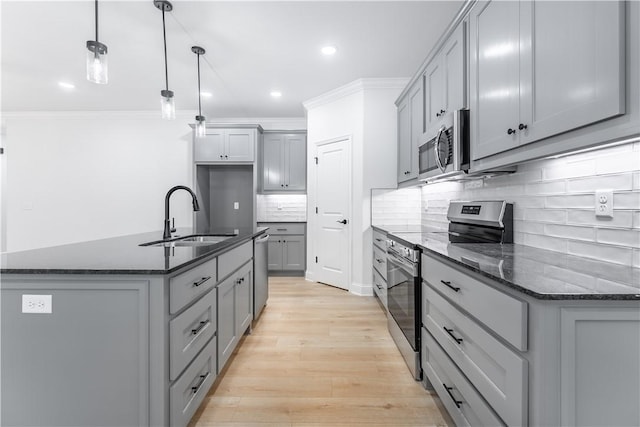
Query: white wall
(80, 176)
(364, 111)
(554, 202)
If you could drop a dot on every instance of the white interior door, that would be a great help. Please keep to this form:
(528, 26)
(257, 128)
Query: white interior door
(333, 236)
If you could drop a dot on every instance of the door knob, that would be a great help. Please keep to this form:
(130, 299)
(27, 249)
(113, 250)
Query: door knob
(344, 221)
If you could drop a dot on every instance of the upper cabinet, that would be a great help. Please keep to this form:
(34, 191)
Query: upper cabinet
(410, 129)
(444, 80)
(541, 68)
(226, 145)
(284, 162)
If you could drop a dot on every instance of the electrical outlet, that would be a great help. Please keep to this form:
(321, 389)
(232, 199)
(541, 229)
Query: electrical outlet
(39, 304)
(236, 205)
(604, 203)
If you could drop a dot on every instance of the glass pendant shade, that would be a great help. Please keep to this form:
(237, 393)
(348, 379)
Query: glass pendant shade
(97, 65)
(201, 126)
(167, 105)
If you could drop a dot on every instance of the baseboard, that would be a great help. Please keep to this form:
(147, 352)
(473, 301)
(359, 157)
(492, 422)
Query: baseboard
(361, 289)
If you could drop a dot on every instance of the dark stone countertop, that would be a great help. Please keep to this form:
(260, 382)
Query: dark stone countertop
(539, 273)
(120, 255)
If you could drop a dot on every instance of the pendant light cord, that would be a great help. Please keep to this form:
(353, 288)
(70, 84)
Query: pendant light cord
(96, 20)
(199, 102)
(164, 36)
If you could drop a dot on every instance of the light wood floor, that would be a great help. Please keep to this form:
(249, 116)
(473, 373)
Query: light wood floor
(318, 356)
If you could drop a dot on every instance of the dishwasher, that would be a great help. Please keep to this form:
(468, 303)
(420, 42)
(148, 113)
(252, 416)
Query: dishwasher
(260, 274)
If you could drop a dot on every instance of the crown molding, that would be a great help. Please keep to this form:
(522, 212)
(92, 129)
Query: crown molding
(180, 115)
(354, 87)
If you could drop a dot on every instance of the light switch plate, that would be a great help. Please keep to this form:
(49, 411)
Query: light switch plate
(37, 304)
(604, 204)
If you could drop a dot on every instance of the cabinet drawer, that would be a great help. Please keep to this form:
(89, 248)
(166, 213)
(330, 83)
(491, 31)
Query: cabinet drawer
(380, 287)
(284, 227)
(380, 239)
(186, 394)
(189, 285)
(380, 261)
(190, 331)
(498, 373)
(464, 404)
(230, 261)
(504, 314)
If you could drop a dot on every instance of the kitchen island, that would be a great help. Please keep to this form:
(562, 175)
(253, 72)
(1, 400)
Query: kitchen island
(515, 335)
(109, 332)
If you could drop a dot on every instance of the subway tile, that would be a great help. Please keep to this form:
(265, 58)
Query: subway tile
(636, 219)
(573, 201)
(620, 237)
(528, 227)
(550, 187)
(617, 182)
(621, 219)
(636, 181)
(546, 215)
(570, 232)
(529, 201)
(626, 200)
(617, 162)
(519, 177)
(636, 258)
(569, 169)
(609, 253)
(546, 242)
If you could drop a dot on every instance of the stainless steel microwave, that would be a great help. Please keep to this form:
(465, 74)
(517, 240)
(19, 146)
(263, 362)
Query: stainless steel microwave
(444, 153)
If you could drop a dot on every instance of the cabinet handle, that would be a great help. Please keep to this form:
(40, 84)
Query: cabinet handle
(441, 113)
(204, 279)
(286, 185)
(378, 240)
(226, 157)
(281, 229)
(199, 328)
(281, 185)
(510, 131)
(378, 286)
(522, 126)
(195, 388)
(221, 156)
(447, 283)
(457, 402)
(379, 261)
(450, 332)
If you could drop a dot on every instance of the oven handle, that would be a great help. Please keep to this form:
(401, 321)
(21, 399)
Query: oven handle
(407, 266)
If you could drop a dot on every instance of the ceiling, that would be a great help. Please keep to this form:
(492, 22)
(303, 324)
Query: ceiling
(252, 48)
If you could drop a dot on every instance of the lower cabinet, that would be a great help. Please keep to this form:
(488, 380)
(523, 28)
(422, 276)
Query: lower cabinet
(380, 266)
(235, 311)
(287, 247)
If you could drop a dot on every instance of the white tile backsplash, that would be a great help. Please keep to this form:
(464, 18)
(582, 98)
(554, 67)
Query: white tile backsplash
(396, 207)
(554, 203)
(281, 207)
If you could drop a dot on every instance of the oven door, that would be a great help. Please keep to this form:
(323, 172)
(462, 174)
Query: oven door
(402, 294)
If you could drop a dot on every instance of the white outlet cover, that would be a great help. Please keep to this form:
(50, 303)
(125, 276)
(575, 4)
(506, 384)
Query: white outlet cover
(236, 205)
(37, 304)
(604, 204)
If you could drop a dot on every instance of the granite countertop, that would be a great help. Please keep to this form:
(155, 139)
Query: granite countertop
(539, 273)
(120, 255)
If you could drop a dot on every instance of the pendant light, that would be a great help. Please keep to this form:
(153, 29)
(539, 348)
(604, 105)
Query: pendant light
(96, 57)
(201, 126)
(166, 101)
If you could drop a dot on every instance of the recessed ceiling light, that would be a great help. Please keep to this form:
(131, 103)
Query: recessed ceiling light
(276, 94)
(328, 50)
(66, 85)
(206, 94)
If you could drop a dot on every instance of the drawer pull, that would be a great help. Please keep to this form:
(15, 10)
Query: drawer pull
(199, 328)
(378, 286)
(281, 229)
(378, 240)
(448, 284)
(204, 279)
(457, 402)
(450, 332)
(379, 261)
(203, 378)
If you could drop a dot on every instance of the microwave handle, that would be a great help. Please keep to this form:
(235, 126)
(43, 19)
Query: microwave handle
(436, 149)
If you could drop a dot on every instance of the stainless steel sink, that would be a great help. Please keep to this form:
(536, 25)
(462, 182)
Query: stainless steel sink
(192, 240)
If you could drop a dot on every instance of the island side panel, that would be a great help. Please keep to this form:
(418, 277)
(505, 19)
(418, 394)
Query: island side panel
(86, 363)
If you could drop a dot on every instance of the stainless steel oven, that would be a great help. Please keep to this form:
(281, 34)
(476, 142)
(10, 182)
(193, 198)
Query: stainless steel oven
(403, 299)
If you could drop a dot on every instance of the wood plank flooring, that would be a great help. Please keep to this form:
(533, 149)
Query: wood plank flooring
(318, 356)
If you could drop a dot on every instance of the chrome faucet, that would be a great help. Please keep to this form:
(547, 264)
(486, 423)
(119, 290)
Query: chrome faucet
(167, 221)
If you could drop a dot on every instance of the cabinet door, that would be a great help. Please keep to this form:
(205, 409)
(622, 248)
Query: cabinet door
(434, 89)
(416, 99)
(209, 148)
(227, 328)
(294, 253)
(272, 162)
(495, 76)
(274, 257)
(244, 298)
(572, 65)
(239, 145)
(295, 162)
(454, 70)
(404, 141)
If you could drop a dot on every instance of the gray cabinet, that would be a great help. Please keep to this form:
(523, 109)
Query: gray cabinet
(226, 145)
(284, 160)
(380, 266)
(287, 247)
(538, 69)
(410, 130)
